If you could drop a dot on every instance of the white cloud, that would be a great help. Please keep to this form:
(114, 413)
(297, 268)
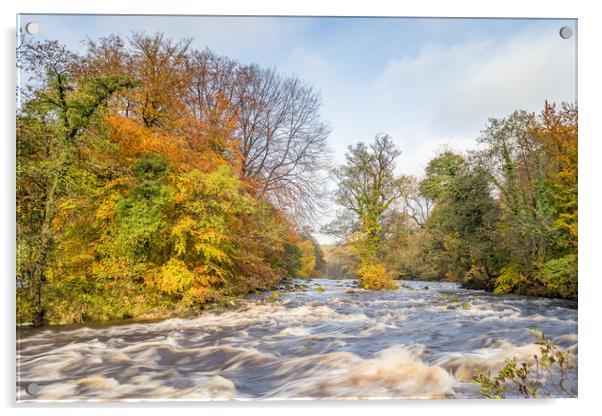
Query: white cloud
(444, 95)
(456, 89)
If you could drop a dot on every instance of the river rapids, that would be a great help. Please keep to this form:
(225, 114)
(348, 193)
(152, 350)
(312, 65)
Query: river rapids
(421, 341)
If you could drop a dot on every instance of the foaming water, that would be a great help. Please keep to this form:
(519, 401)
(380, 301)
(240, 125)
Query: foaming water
(423, 342)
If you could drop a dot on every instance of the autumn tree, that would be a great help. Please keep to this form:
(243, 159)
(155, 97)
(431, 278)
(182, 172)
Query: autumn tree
(311, 255)
(556, 131)
(132, 194)
(280, 136)
(505, 216)
(277, 140)
(462, 226)
(532, 160)
(52, 129)
(367, 188)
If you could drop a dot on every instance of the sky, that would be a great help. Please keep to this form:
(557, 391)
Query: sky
(427, 82)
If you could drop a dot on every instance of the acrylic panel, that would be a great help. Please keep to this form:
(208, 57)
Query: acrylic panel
(229, 207)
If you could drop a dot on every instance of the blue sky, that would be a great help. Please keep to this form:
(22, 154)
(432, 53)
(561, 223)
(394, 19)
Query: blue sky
(427, 82)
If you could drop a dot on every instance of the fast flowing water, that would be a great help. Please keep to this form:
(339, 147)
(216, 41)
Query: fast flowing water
(421, 341)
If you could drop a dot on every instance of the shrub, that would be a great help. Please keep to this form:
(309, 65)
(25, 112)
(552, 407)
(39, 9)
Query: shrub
(87, 300)
(560, 276)
(524, 379)
(199, 296)
(374, 276)
(477, 278)
(511, 280)
(174, 277)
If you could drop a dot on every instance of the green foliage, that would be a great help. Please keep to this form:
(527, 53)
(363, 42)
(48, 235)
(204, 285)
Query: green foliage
(53, 132)
(511, 280)
(320, 263)
(461, 230)
(440, 173)
(141, 220)
(505, 216)
(88, 300)
(123, 216)
(560, 276)
(476, 278)
(524, 379)
(551, 356)
(367, 189)
(292, 256)
(513, 377)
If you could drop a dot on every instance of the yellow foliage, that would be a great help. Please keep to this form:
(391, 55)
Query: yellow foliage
(174, 277)
(199, 295)
(107, 210)
(308, 259)
(374, 276)
(557, 133)
(510, 281)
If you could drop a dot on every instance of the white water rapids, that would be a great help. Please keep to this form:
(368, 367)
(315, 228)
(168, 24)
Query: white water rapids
(339, 343)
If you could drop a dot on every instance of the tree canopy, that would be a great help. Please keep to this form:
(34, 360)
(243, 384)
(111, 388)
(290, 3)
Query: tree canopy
(502, 217)
(152, 177)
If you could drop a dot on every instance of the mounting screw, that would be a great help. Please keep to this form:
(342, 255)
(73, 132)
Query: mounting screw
(32, 389)
(32, 28)
(566, 32)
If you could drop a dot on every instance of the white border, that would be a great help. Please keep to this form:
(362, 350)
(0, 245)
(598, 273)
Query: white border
(590, 203)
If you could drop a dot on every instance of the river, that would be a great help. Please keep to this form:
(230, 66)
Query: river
(421, 341)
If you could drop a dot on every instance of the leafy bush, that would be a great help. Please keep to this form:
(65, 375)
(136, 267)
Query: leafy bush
(200, 295)
(525, 379)
(560, 276)
(374, 276)
(477, 278)
(174, 277)
(511, 280)
(80, 301)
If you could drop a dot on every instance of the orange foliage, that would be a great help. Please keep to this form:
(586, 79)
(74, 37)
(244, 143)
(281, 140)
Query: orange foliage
(557, 132)
(184, 152)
